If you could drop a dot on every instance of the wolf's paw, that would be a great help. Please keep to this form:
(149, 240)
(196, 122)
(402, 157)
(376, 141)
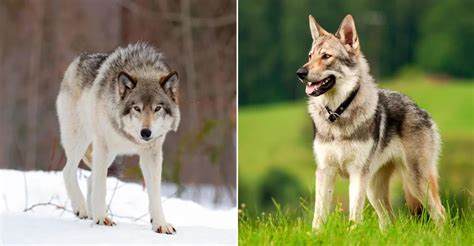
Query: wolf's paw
(164, 228)
(81, 212)
(105, 221)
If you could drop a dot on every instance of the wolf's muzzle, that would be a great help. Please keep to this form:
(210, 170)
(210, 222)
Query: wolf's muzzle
(145, 133)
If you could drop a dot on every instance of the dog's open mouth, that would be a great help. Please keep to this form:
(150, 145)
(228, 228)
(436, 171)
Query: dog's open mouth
(320, 87)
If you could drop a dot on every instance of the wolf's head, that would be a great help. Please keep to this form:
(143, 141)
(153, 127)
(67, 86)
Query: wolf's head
(149, 106)
(333, 61)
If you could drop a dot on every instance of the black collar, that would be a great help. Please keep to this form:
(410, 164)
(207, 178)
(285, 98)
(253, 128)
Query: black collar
(334, 115)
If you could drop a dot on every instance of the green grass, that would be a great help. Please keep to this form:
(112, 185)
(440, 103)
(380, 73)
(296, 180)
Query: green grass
(294, 228)
(277, 138)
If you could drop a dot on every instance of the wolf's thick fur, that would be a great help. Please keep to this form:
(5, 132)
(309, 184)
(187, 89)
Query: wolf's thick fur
(113, 104)
(379, 133)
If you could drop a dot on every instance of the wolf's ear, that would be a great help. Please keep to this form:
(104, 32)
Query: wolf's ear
(126, 83)
(315, 28)
(169, 83)
(176, 120)
(348, 35)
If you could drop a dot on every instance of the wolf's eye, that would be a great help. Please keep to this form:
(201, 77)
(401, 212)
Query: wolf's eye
(326, 56)
(136, 108)
(157, 108)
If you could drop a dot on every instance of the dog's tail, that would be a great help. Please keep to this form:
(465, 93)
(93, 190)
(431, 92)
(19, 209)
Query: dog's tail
(414, 205)
(114, 170)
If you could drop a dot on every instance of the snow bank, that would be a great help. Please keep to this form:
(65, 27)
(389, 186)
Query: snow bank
(195, 223)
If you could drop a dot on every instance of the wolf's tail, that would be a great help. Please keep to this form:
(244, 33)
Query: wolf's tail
(114, 170)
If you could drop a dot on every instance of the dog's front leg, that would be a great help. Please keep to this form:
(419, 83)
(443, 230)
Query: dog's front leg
(151, 164)
(325, 178)
(101, 159)
(357, 191)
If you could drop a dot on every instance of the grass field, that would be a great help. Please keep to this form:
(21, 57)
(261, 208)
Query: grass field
(276, 162)
(294, 228)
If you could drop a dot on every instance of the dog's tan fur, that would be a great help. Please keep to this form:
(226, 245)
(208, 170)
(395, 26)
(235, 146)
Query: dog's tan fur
(380, 133)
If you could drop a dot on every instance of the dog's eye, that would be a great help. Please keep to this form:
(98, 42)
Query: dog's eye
(326, 56)
(157, 108)
(309, 57)
(136, 108)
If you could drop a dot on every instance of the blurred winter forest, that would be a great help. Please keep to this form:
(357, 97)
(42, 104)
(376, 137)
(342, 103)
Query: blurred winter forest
(39, 38)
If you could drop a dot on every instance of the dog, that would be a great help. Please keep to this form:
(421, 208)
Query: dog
(365, 133)
(121, 103)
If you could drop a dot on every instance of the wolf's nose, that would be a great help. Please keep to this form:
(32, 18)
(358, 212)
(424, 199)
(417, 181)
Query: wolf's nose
(145, 133)
(302, 73)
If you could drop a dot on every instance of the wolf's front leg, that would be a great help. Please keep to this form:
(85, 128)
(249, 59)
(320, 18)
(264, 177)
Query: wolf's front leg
(150, 163)
(358, 181)
(101, 160)
(325, 178)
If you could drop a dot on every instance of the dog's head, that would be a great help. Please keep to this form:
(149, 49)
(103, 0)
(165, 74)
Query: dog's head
(149, 106)
(332, 58)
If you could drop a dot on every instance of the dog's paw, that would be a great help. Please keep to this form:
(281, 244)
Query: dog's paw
(316, 225)
(353, 225)
(163, 228)
(105, 221)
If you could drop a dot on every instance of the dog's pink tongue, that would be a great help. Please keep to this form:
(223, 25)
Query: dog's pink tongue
(310, 88)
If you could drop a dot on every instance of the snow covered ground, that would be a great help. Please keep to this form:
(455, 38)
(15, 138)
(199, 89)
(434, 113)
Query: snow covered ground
(196, 223)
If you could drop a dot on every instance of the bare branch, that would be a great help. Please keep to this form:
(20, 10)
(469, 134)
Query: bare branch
(6, 203)
(26, 190)
(64, 209)
(139, 218)
(47, 204)
(113, 194)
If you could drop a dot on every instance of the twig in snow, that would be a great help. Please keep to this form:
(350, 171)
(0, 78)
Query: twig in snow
(113, 194)
(140, 218)
(47, 204)
(26, 190)
(62, 213)
(6, 203)
(111, 198)
(64, 209)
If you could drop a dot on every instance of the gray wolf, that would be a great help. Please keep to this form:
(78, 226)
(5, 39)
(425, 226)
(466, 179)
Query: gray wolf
(365, 133)
(121, 103)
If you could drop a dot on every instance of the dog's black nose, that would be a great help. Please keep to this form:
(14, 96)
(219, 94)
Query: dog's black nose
(145, 133)
(302, 73)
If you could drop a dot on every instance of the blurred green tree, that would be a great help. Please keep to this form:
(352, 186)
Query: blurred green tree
(447, 39)
(274, 40)
(282, 187)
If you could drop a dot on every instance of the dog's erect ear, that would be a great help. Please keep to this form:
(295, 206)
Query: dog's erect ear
(169, 83)
(126, 83)
(348, 35)
(316, 29)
